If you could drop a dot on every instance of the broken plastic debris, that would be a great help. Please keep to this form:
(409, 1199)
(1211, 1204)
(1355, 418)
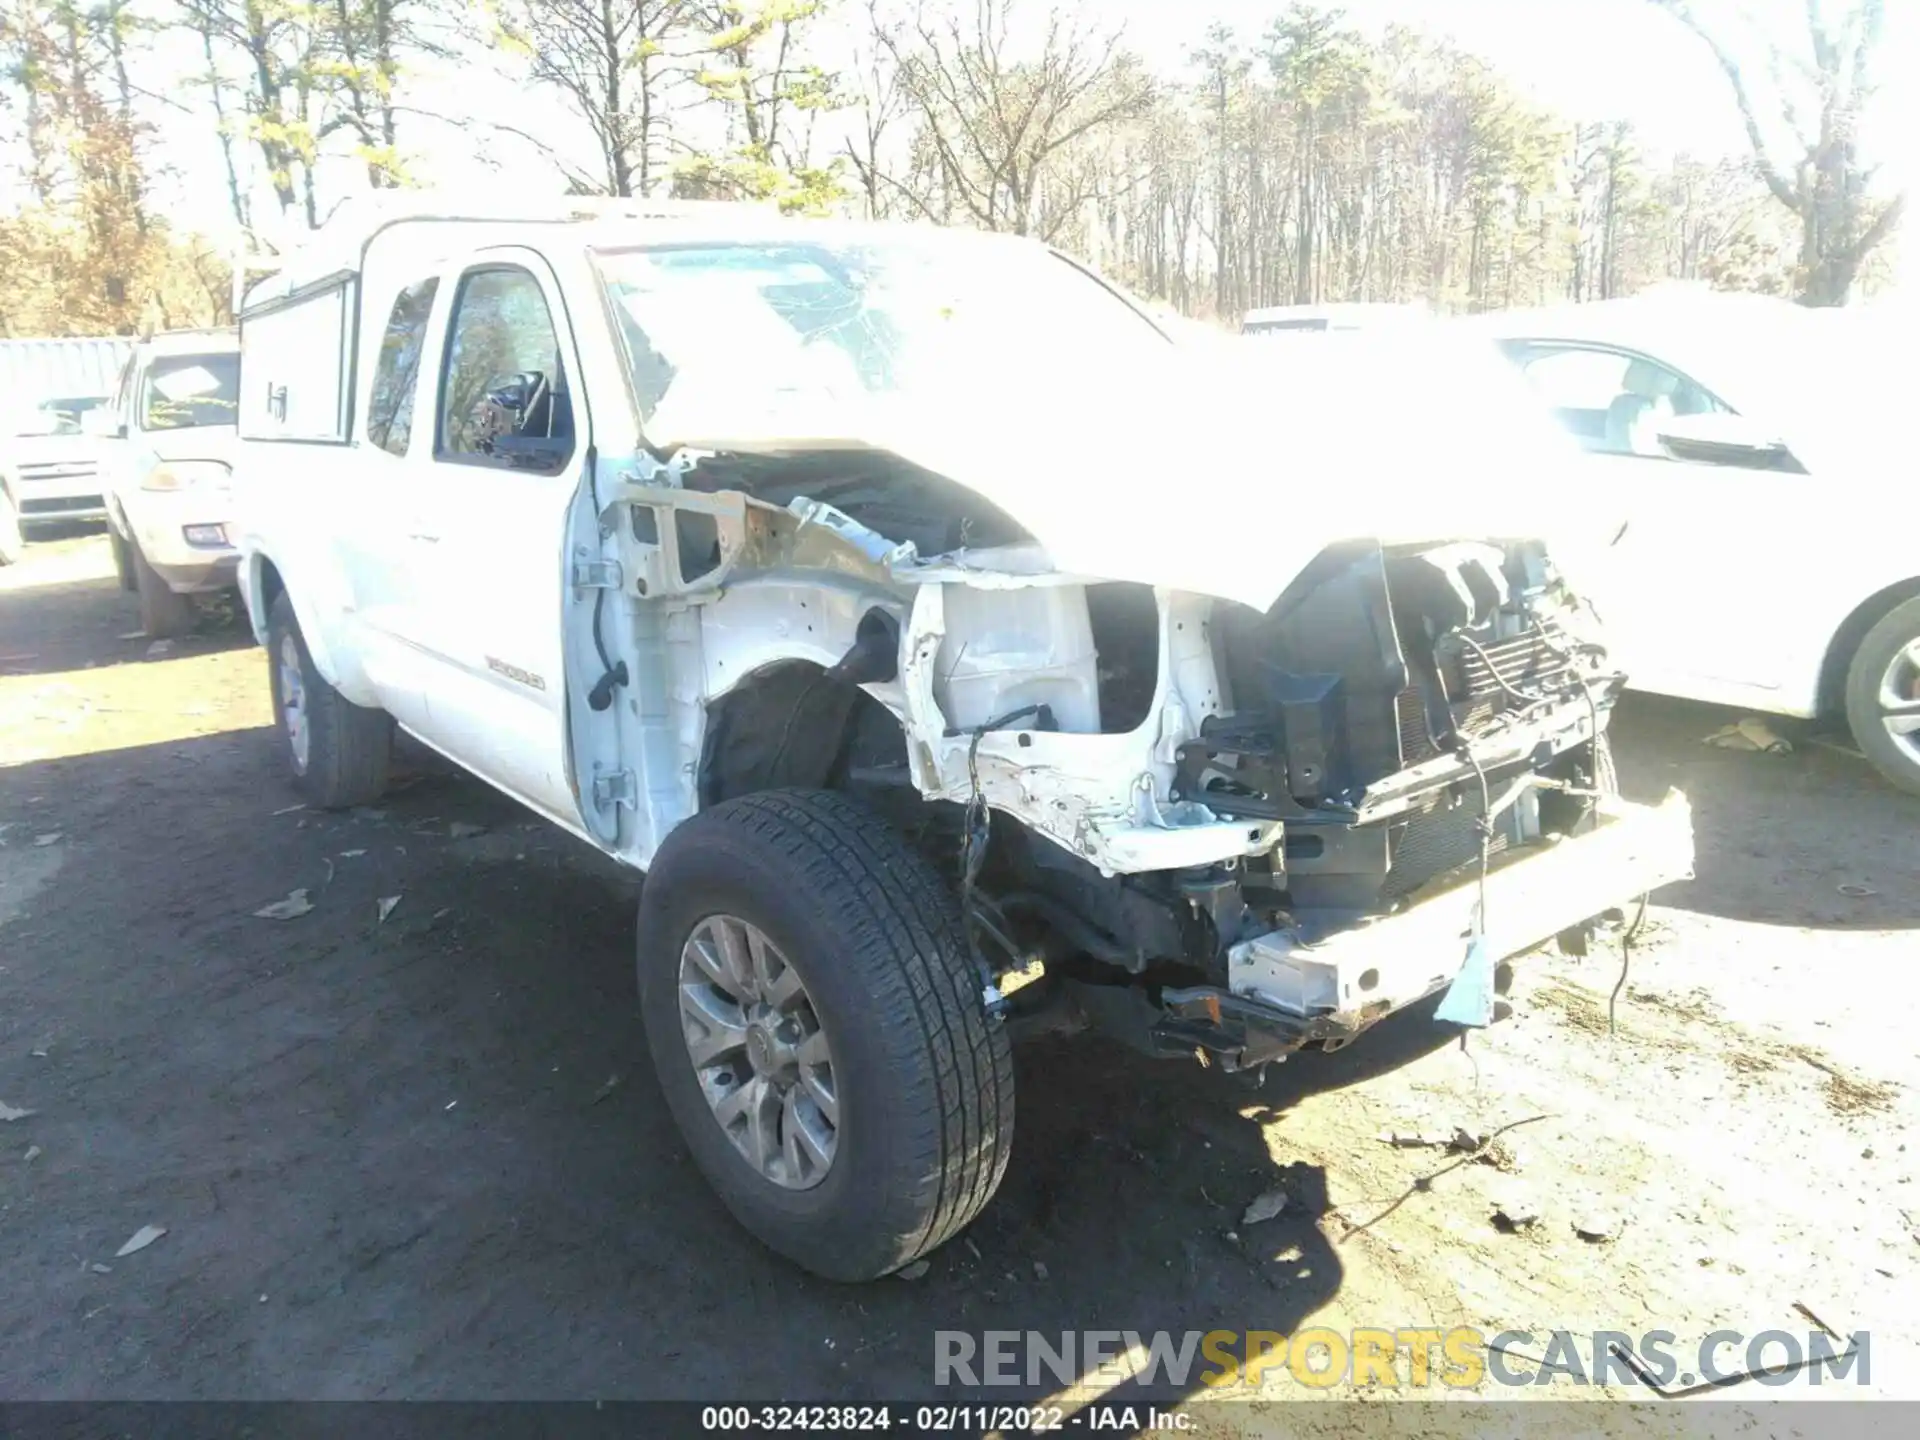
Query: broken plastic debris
(140, 1239)
(100, 1269)
(289, 809)
(1852, 892)
(51, 839)
(386, 904)
(1516, 1212)
(9, 1114)
(34, 1152)
(910, 1272)
(1039, 1269)
(1469, 999)
(465, 830)
(159, 648)
(351, 854)
(1597, 1226)
(1266, 1207)
(292, 908)
(1751, 734)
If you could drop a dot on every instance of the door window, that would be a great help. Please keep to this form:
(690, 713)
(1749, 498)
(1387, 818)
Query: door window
(505, 398)
(1612, 401)
(396, 375)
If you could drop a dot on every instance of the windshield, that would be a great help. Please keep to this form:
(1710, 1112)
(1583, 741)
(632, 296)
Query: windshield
(186, 392)
(823, 340)
(66, 412)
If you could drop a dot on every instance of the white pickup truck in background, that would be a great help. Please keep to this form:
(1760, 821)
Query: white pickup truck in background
(166, 444)
(922, 622)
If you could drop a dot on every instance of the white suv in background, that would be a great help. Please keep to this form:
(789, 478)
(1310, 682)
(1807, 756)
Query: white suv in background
(168, 465)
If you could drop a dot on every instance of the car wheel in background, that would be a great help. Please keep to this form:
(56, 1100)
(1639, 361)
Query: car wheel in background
(1883, 696)
(122, 558)
(10, 541)
(820, 1034)
(338, 752)
(163, 614)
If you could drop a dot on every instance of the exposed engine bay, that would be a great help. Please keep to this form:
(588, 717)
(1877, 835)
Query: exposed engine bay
(1162, 803)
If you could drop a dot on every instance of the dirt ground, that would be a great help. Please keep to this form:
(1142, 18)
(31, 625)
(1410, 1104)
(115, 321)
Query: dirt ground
(425, 1158)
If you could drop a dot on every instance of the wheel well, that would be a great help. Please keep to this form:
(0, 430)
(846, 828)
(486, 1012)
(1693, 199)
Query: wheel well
(792, 725)
(271, 585)
(1846, 641)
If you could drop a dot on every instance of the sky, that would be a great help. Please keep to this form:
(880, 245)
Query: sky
(1587, 59)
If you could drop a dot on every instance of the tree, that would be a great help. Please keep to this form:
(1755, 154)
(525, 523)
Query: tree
(87, 255)
(753, 69)
(998, 128)
(301, 79)
(611, 59)
(1802, 109)
(881, 103)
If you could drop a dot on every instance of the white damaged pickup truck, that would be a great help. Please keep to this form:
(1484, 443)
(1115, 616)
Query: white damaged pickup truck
(957, 656)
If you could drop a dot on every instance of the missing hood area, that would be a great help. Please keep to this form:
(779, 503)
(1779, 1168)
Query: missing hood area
(1215, 471)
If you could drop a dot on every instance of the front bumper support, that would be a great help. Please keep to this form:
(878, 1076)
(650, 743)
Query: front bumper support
(1285, 991)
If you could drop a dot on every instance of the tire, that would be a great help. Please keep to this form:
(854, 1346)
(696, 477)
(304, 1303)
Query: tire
(347, 748)
(11, 544)
(1888, 660)
(923, 1078)
(163, 614)
(122, 558)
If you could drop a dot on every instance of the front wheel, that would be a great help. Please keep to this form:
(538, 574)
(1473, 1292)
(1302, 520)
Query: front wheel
(819, 1031)
(338, 752)
(1883, 696)
(122, 559)
(163, 613)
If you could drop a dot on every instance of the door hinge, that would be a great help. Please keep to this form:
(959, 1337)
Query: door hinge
(615, 787)
(596, 575)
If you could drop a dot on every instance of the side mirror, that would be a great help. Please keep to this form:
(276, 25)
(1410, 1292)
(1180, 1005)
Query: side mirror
(1719, 438)
(102, 424)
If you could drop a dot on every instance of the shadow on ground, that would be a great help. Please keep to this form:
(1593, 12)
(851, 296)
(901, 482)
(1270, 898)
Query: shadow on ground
(426, 1157)
(1776, 836)
(61, 609)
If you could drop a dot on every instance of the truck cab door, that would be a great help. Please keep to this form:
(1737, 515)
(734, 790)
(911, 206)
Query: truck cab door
(488, 523)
